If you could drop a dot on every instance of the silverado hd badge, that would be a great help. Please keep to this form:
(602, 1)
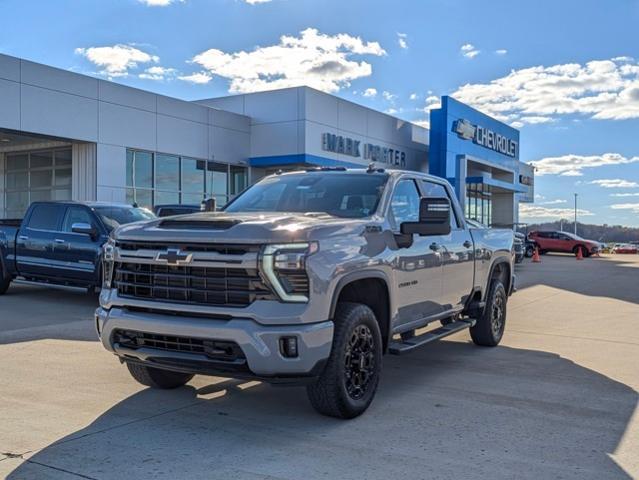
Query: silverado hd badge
(174, 256)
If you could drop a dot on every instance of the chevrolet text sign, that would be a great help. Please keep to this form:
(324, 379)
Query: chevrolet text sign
(485, 137)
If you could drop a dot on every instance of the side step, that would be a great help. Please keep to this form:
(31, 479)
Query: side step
(399, 347)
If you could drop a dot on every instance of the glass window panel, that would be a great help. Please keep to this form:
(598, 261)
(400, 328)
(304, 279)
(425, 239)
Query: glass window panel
(17, 162)
(193, 176)
(165, 198)
(41, 195)
(41, 160)
(62, 194)
(62, 158)
(191, 198)
(46, 216)
(41, 178)
(142, 170)
(130, 196)
(217, 178)
(144, 198)
(17, 180)
(63, 177)
(76, 215)
(17, 201)
(405, 203)
(167, 172)
(239, 179)
(220, 200)
(129, 168)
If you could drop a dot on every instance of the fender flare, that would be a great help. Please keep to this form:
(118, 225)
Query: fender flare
(352, 277)
(499, 261)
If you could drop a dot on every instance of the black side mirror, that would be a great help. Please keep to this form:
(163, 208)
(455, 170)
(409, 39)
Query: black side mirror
(434, 218)
(208, 205)
(84, 229)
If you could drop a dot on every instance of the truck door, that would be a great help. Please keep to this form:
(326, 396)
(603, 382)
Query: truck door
(457, 253)
(418, 268)
(35, 255)
(79, 251)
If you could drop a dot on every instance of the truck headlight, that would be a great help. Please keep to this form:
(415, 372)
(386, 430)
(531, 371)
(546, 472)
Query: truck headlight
(284, 266)
(108, 260)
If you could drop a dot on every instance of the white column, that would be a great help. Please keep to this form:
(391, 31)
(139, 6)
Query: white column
(84, 178)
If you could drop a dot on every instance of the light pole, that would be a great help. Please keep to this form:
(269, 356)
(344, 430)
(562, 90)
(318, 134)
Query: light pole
(575, 214)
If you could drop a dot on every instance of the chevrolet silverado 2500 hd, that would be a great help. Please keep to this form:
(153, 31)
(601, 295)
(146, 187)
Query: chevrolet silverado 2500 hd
(308, 276)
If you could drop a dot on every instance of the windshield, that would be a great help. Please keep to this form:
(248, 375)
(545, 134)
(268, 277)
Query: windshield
(572, 235)
(114, 216)
(343, 195)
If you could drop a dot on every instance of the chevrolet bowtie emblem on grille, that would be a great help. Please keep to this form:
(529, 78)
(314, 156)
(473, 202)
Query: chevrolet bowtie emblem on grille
(465, 129)
(174, 256)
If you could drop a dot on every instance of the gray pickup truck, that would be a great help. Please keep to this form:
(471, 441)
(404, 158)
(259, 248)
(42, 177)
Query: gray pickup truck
(307, 277)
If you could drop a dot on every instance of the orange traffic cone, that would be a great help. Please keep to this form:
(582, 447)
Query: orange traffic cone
(536, 258)
(579, 254)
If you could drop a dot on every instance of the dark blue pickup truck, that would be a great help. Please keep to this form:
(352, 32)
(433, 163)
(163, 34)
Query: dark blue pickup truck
(61, 242)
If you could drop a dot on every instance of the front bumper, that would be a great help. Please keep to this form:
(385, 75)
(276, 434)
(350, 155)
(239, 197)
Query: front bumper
(259, 344)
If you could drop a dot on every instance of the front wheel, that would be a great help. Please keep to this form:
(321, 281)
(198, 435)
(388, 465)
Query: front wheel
(156, 377)
(489, 327)
(349, 381)
(5, 281)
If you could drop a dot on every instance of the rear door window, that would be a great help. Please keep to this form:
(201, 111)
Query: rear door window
(46, 217)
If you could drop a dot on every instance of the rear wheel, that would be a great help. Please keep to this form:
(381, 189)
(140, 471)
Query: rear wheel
(157, 378)
(348, 384)
(489, 327)
(530, 250)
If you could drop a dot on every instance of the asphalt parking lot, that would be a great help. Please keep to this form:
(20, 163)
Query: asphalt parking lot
(557, 399)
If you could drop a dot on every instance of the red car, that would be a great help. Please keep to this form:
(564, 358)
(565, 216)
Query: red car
(563, 242)
(625, 248)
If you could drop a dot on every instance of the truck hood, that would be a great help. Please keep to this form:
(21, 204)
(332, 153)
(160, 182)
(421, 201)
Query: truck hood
(244, 228)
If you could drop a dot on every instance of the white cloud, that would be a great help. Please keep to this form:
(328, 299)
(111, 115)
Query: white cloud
(198, 78)
(572, 165)
(501, 51)
(320, 61)
(634, 207)
(635, 194)
(615, 183)
(432, 102)
(601, 89)
(370, 92)
(391, 97)
(117, 60)
(413, 96)
(391, 111)
(531, 211)
(469, 51)
(401, 40)
(256, 2)
(158, 73)
(553, 202)
(159, 3)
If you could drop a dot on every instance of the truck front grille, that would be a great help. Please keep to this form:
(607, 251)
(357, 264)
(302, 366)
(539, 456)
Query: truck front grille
(215, 349)
(235, 287)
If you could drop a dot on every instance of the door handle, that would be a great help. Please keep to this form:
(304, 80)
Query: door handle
(434, 246)
(468, 244)
(59, 240)
(23, 237)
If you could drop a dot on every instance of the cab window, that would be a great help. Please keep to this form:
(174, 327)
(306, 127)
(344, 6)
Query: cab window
(76, 215)
(404, 205)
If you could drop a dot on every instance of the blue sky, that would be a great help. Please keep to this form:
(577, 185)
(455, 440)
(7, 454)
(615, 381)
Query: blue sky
(566, 73)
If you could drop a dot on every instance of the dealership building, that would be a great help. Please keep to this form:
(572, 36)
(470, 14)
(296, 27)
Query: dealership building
(69, 136)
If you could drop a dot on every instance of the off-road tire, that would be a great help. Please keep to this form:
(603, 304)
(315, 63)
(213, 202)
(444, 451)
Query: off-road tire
(330, 394)
(488, 330)
(5, 281)
(157, 378)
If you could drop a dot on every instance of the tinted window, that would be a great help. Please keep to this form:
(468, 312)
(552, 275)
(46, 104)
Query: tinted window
(405, 203)
(46, 217)
(432, 189)
(342, 195)
(76, 215)
(113, 217)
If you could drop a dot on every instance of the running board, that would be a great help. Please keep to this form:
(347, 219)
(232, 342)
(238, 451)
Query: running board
(399, 347)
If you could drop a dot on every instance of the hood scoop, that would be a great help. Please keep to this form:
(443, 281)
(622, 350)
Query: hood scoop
(198, 222)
